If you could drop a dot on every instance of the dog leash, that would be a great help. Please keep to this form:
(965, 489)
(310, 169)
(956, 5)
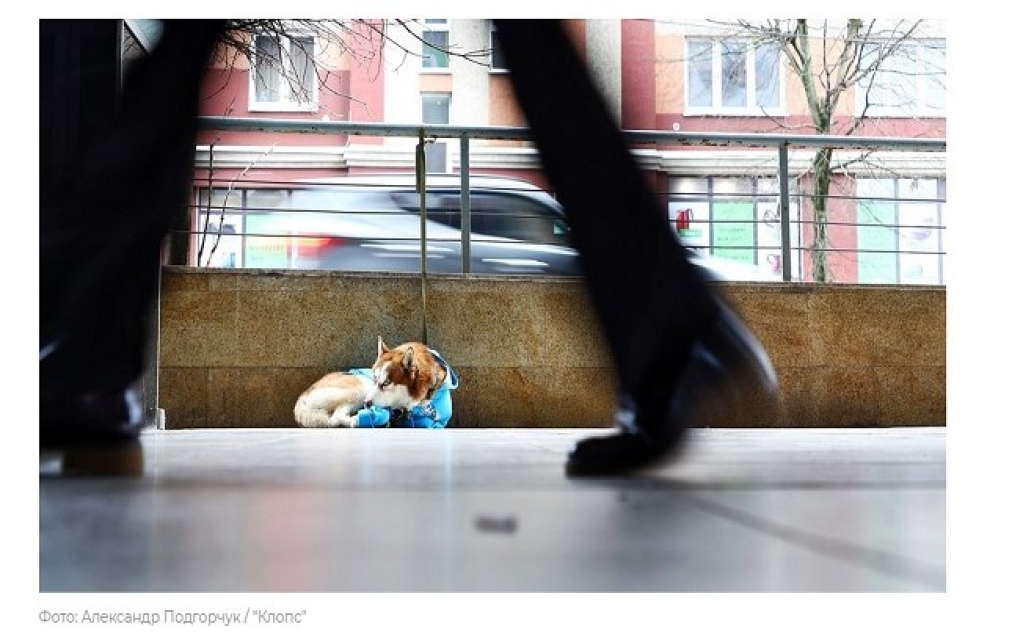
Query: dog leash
(421, 188)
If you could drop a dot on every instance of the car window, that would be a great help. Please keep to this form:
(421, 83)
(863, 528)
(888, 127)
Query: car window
(508, 215)
(504, 215)
(441, 207)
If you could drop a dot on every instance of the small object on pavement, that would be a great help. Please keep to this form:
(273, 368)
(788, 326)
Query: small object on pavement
(497, 524)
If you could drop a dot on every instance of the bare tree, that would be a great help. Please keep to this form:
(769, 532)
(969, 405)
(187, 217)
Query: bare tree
(883, 61)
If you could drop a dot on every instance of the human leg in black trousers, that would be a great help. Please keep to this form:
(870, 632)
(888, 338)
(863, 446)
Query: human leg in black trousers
(100, 247)
(678, 349)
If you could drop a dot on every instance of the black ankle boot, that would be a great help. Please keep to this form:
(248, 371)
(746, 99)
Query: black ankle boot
(727, 379)
(92, 433)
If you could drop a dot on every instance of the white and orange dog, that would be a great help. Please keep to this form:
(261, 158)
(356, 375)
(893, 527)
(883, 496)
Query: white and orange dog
(402, 378)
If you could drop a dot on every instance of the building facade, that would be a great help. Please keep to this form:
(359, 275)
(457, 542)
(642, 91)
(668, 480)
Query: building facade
(885, 209)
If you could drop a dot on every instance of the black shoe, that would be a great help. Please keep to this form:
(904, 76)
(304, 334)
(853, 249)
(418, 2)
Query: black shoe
(94, 433)
(727, 378)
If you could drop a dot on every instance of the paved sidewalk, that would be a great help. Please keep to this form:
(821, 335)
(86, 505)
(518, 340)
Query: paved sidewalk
(490, 510)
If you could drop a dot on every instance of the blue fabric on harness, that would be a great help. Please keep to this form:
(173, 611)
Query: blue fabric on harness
(433, 415)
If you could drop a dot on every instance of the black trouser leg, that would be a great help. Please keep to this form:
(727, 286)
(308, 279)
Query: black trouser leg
(100, 248)
(653, 304)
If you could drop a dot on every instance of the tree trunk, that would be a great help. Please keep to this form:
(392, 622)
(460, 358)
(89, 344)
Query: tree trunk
(819, 199)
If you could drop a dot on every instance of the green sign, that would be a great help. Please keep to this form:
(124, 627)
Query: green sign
(734, 232)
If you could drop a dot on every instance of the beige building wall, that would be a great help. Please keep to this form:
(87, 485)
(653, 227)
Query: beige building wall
(669, 53)
(604, 58)
(402, 102)
(470, 81)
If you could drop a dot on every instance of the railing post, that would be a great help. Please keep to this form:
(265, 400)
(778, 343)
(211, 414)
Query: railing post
(463, 170)
(783, 212)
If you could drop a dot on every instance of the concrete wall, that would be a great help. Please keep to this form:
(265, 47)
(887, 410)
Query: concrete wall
(238, 346)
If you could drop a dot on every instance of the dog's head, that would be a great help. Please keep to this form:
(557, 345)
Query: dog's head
(405, 376)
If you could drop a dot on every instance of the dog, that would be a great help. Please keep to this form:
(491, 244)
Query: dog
(401, 379)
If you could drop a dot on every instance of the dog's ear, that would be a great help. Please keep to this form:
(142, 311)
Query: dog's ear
(440, 374)
(381, 347)
(409, 359)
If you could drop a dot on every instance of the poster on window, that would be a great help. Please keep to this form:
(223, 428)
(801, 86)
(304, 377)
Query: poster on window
(769, 249)
(734, 231)
(267, 244)
(919, 244)
(690, 221)
(769, 239)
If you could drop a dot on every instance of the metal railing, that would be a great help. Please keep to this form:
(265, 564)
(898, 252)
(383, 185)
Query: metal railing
(783, 147)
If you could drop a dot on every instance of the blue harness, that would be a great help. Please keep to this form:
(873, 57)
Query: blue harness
(433, 415)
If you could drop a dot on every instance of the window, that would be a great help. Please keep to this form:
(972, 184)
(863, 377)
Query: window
(283, 76)
(736, 218)
(437, 110)
(218, 241)
(496, 55)
(909, 81)
(493, 214)
(237, 230)
(900, 230)
(733, 76)
(139, 38)
(435, 44)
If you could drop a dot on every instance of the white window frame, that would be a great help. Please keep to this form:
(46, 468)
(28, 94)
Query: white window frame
(716, 107)
(438, 25)
(919, 76)
(286, 104)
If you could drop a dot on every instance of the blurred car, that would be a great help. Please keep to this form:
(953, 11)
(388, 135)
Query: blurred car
(372, 223)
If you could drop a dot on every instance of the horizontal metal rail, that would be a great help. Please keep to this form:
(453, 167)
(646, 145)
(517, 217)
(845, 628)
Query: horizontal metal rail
(782, 143)
(764, 140)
